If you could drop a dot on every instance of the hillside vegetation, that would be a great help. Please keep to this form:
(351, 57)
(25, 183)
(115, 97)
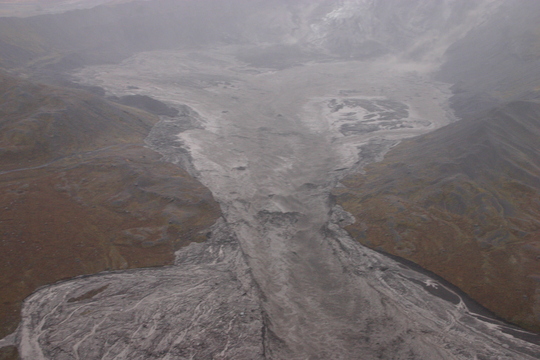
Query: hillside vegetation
(463, 202)
(81, 192)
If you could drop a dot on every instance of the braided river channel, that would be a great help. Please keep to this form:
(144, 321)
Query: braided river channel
(278, 277)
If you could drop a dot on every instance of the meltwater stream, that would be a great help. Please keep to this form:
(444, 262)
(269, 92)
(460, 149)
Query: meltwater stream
(278, 277)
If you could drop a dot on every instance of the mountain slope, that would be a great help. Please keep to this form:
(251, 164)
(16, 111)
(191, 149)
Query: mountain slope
(82, 194)
(463, 202)
(497, 62)
(103, 34)
(349, 28)
(24, 8)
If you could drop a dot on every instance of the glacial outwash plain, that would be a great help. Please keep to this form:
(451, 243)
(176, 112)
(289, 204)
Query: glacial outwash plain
(353, 179)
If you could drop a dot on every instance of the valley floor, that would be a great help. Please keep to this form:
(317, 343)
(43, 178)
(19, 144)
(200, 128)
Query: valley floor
(278, 278)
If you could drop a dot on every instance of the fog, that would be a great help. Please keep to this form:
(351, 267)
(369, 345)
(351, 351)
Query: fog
(277, 107)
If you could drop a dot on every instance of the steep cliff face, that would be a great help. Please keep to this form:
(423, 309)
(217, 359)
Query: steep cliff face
(82, 194)
(463, 202)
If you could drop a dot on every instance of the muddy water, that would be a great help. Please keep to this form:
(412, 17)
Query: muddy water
(278, 278)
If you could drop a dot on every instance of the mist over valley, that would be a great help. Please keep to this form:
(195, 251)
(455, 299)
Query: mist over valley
(279, 179)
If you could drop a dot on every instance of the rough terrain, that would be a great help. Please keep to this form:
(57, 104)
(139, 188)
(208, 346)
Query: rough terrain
(271, 145)
(271, 106)
(83, 194)
(463, 202)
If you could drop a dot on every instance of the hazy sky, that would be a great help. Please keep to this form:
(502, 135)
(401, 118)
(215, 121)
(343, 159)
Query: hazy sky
(35, 7)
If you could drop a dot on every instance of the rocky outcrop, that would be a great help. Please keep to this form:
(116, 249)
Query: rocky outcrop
(146, 103)
(82, 194)
(463, 202)
(371, 28)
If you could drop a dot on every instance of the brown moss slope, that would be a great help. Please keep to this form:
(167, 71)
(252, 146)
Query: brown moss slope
(463, 202)
(81, 194)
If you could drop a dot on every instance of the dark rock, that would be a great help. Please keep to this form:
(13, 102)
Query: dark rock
(147, 103)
